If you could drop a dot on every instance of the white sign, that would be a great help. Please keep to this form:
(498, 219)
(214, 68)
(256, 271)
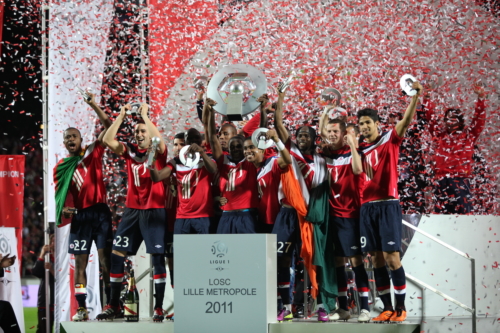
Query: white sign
(225, 283)
(10, 284)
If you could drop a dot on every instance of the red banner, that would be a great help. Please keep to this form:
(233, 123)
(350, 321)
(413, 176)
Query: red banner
(12, 195)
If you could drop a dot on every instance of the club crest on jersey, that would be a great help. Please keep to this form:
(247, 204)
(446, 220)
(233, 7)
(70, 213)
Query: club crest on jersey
(71, 246)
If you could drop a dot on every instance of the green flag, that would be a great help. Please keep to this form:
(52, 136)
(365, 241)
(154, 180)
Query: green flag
(62, 177)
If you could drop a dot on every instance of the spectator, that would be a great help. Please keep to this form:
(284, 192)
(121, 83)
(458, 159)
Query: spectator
(8, 321)
(453, 150)
(39, 271)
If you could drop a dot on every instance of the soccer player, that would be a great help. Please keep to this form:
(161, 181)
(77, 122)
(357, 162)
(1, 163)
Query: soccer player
(81, 200)
(193, 187)
(454, 147)
(269, 178)
(179, 143)
(237, 182)
(309, 165)
(144, 215)
(346, 183)
(380, 216)
(171, 203)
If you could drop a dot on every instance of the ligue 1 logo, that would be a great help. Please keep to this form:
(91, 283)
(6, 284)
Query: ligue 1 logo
(219, 249)
(4, 244)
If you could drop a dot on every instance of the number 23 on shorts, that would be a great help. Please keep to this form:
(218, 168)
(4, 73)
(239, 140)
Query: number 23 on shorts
(121, 241)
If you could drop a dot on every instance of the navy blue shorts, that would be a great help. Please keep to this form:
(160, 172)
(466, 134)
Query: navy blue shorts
(90, 224)
(287, 222)
(345, 234)
(169, 244)
(200, 225)
(239, 222)
(138, 225)
(380, 226)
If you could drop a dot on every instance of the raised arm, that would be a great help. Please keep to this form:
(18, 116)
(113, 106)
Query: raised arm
(404, 123)
(109, 137)
(285, 158)
(103, 117)
(209, 116)
(479, 119)
(323, 121)
(357, 167)
(263, 111)
(278, 118)
(251, 125)
(210, 165)
(153, 131)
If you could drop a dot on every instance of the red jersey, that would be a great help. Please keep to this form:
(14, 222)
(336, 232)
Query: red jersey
(453, 151)
(87, 185)
(238, 184)
(269, 179)
(380, 164)
(142, 192)
(194, 189)
(171, 201)
(345, 186)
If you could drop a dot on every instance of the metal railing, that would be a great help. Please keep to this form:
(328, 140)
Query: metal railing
(423, 285)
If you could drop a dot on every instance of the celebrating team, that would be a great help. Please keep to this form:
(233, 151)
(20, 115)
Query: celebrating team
(254, 191)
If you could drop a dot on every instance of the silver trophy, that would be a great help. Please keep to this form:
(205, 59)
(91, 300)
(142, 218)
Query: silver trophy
(331, 94)
(189, 159)
(155, 141)
(236, 88)
(84, 94)
(406, 83)
(200, 82)
(134, 109)
(284, 86)
(259, 138)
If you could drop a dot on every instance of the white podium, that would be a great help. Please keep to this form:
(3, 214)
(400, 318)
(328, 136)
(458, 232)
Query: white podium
(225, 283)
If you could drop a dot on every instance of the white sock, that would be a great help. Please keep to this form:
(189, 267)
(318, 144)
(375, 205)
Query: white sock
(288, 307)
(318, 306)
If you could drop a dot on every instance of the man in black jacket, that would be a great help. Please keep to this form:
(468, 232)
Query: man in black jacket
(39, 271)
(8, 321)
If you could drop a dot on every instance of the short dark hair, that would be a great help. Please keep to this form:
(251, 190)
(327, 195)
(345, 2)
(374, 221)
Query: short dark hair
(238, 137)
(353, 125)
(192, 131)
(72, 128)
(229, 125)
(369, 113)
(312, 134)
(179, 136)
(341, 123)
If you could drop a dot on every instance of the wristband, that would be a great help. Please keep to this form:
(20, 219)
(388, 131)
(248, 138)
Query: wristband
(280, 145)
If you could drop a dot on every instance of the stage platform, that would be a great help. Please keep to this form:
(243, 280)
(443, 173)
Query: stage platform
(297, 326)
